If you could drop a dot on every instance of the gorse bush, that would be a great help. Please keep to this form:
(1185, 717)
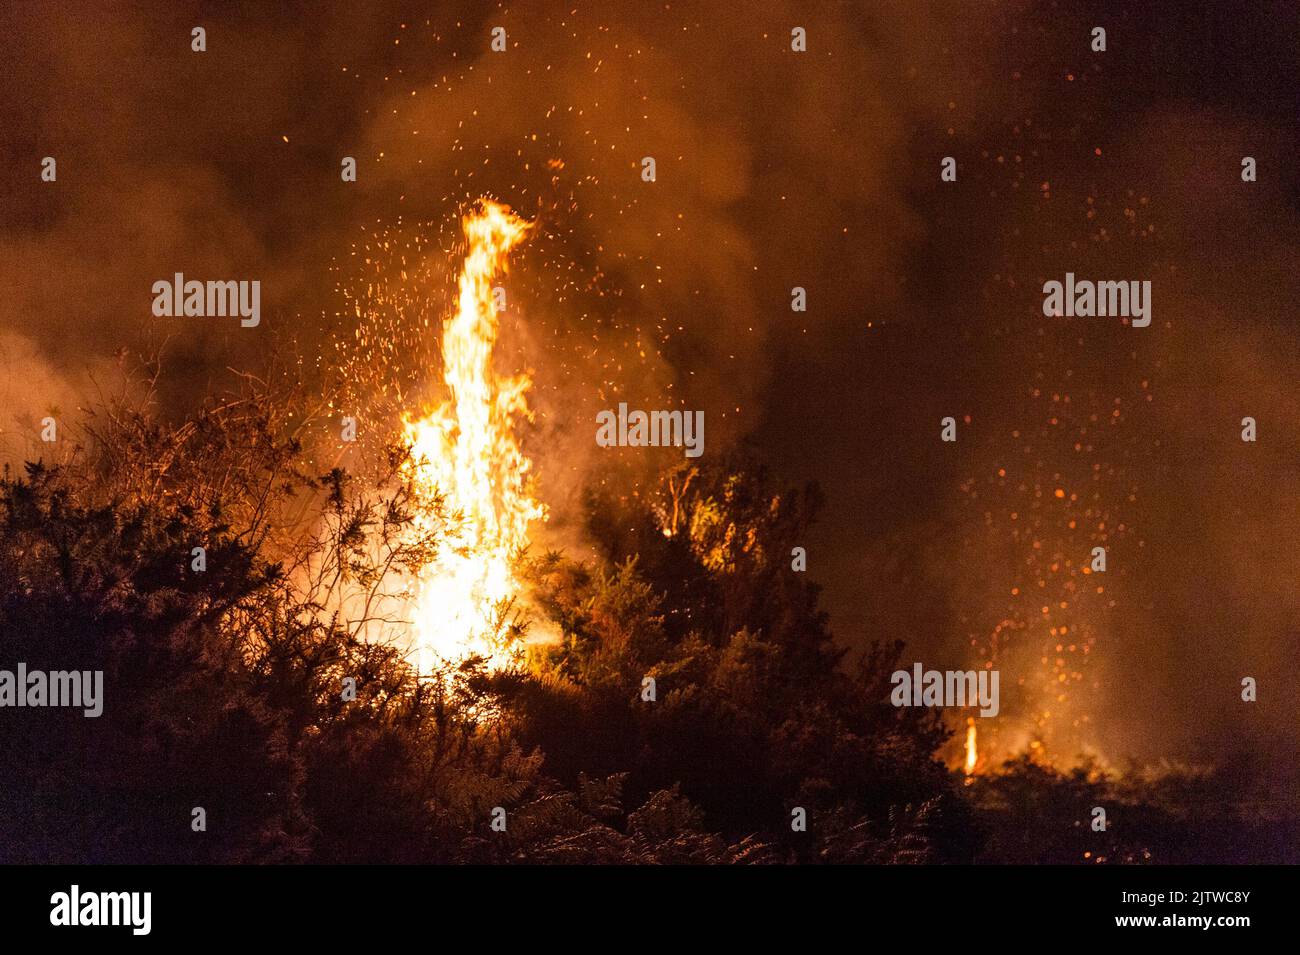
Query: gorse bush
(224, 687)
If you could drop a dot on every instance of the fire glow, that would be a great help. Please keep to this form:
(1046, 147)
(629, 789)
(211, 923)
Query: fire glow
(466, 451)
(972, 749)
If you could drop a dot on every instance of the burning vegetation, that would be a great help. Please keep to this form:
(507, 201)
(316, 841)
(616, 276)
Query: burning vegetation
(518, 610)
(465, 454)
(278, 687)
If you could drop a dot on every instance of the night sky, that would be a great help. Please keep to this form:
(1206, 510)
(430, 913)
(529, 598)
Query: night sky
(775, 169)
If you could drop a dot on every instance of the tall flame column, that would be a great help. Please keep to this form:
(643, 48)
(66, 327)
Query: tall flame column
(466, 450)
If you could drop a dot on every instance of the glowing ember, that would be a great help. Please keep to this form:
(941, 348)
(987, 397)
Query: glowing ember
(972, 753)
(466, 451)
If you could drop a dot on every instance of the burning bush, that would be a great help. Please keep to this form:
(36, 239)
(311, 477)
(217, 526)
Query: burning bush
(227, 688)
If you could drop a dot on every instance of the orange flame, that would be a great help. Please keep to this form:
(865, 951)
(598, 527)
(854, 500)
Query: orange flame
(466, 451)
(972, 751)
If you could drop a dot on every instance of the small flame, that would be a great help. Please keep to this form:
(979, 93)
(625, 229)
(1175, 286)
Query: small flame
(972, 752)
(466, 451)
